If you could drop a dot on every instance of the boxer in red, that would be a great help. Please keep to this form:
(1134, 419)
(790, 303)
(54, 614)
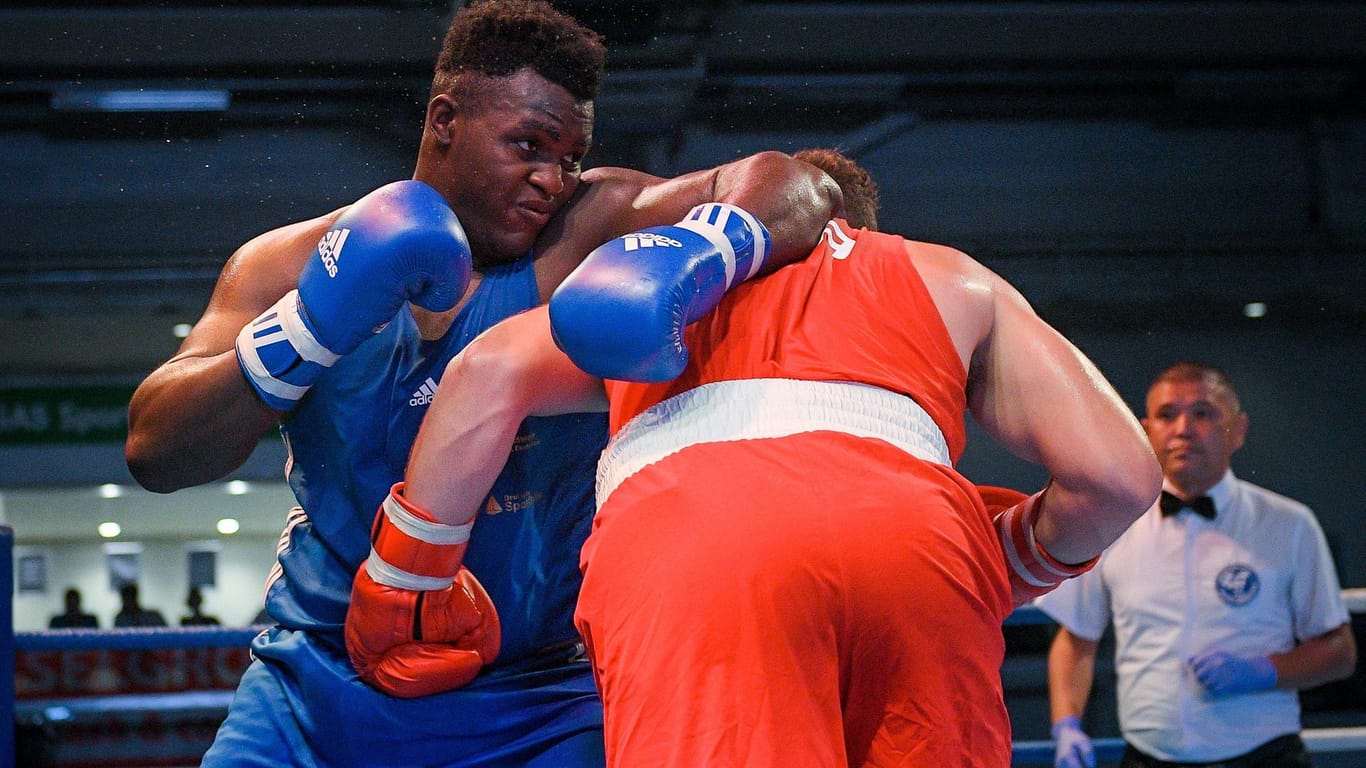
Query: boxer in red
(785, 568)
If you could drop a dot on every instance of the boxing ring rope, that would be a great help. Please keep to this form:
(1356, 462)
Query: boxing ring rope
(134, 639)
(1109, 750)
(1024, 753)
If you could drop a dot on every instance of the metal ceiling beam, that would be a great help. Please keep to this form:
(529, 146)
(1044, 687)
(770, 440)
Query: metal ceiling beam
(101, 41)
(863, 36)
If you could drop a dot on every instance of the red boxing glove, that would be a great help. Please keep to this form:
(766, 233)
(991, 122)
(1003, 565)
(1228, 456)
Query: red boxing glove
(419, 622)
(998, 499)
(1033, 572)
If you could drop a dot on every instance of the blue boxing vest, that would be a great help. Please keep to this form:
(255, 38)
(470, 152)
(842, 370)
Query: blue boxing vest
(349, 442)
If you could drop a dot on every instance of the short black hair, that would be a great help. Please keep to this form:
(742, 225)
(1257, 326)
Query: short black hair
(498, 38)
(861, 198)
(1196, 370)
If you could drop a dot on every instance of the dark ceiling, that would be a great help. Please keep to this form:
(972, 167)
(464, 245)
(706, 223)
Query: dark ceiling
(143, 142)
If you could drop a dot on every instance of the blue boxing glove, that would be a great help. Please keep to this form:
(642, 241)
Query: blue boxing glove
(1225, 674)
(402, 242)
(1072, 747)
(621, 314)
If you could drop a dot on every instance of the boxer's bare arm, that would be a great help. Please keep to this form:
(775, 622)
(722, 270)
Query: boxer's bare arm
(511, 371)
(195, 418)
(792, 198)
(1042, 398)
(1039, 396)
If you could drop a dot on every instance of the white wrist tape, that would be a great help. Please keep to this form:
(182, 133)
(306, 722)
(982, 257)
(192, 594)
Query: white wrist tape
(741, 238)
(280, 356)
(409, 550)
(1033, 572)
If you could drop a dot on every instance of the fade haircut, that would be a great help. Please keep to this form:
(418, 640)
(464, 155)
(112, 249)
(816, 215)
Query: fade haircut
(498, 38)
(860, 191)
(1192, 370)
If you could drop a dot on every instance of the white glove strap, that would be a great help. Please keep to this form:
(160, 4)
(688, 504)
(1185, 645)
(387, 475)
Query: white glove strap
(280, 355)
(389, 576)
(727, 227)
(1028, 560)
(410, 538)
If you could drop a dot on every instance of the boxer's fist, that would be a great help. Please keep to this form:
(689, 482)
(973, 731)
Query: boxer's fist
(419, 622)
(399, 243)
(1033, 572)
(402, 242)
(408, 643)
(621, 314)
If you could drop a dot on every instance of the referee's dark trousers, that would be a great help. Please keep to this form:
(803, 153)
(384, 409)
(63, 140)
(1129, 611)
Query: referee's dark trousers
(1286, 751)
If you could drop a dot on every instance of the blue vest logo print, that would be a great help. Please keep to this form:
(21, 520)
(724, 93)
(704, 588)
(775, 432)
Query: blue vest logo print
(1237, 584)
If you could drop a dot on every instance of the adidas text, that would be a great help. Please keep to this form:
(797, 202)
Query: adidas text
(424, 393)
(649, 240)
(329, 249)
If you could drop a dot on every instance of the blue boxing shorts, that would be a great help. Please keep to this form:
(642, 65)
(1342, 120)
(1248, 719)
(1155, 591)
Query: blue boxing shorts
(301, 704)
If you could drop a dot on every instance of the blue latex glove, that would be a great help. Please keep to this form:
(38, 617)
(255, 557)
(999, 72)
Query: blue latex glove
(1225, 674)
(1072, 747)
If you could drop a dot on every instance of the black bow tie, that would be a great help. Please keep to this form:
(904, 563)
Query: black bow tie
(1200, 505)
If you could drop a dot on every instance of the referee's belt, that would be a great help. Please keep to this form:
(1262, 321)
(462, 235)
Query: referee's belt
(1281, 744)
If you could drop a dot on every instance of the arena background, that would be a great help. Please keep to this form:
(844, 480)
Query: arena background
(1162, 179)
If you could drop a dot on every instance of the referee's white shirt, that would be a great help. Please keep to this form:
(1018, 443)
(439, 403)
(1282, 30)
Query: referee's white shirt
(1253, 581)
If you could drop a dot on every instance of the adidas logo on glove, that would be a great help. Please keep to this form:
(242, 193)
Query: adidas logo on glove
(638, 240)
(329, 248)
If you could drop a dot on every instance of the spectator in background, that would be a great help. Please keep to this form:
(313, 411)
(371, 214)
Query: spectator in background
(1224, 599)
(74, 617)
(132, 614)
(195, 601)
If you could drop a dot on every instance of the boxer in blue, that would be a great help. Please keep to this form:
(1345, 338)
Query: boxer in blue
(339, 328)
